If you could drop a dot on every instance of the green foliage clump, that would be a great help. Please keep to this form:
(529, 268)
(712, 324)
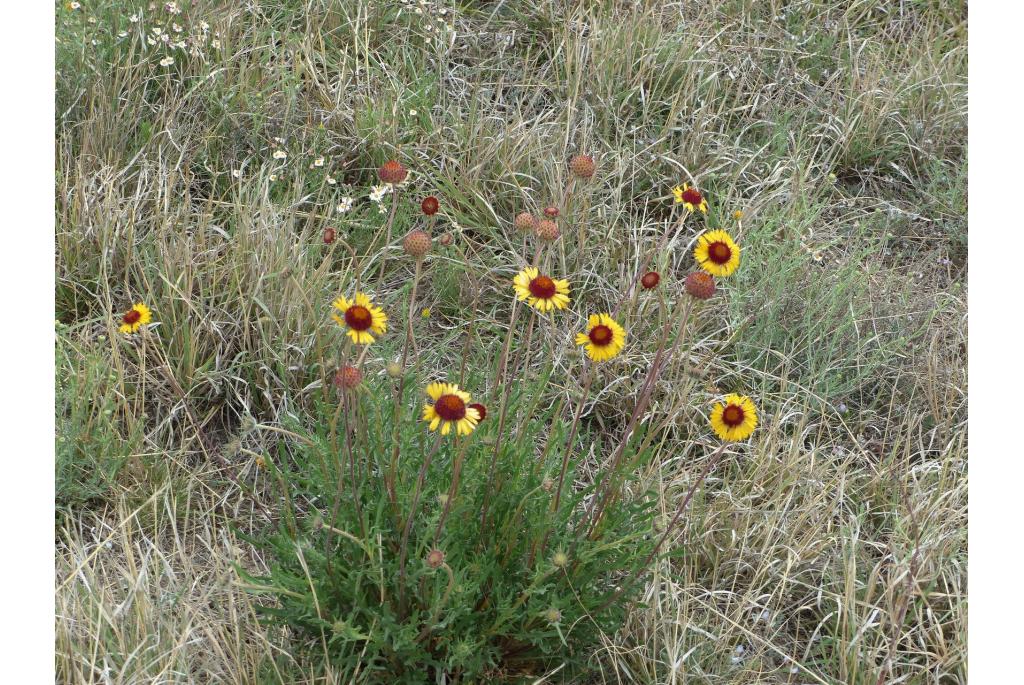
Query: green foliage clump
(375, 573)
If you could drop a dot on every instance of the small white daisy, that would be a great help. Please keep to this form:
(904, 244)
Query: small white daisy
(331, 180)
(273, 177)
(215, 44)
(74, 5)
(413, 112)
(280, 154)
(237, 173)
(133, 19)
(318, 162)
(177, 29)
(167, 61)
(377, 193)
(344, 205)
(156, 30)
(173, 8)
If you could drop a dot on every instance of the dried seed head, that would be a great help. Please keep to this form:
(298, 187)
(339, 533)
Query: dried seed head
(553, 615)
(394, 370)
(348, 377)
(430, 205)
(417, 243)
(700, 285)
(393, 172)
(583, 166)
(547, 230)
(650, 280)
(445, 239)
(547, 484)
(329, 235)
(435, 558)
(551, 212)
(560, 559)
(525, 221)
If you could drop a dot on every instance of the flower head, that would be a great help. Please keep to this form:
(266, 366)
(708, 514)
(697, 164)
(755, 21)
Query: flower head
(583, 166)
(392, 172)
(435, 558)
(541, 292)
(430, 205)
(650, 280)
(551, 212)
(734, 419)
(417, 243)
(547, 230)
(700, 285)
(480, 409)
(717, 253)
(344, 205)
(604, 338)
(361, 317)
(330, 233)
(135, 318)
(525, 221)
(691, 198)
(450, 407)
(348, 377)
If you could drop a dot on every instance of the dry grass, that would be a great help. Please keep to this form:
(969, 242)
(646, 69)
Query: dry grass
(832, 551)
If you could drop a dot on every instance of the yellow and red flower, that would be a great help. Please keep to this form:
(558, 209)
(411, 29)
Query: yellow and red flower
(135, 318)
(360, 317)
(734, 419)
(541, 292)
(691, 198)
(717, 253)
(604, 338)
(450, 407)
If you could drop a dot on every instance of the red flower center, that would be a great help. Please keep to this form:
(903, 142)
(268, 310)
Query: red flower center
(543, 288)
(481, 409)
(600, 335)
(719, 252)
(732, 416)
(693, 196)
(358, 318)
(132, 316)
(450, 407)
(430, 205)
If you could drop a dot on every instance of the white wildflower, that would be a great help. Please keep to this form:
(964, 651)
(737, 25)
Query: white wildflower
(318, 162)
(215, 44)
(237, 173)
(377, 193)
(280, 154)
(167, 61)
(344, 205)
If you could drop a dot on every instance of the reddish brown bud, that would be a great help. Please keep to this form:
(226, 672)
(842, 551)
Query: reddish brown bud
(445, 239)
(393, 172)
(329, 235)
(348, 377)
(525, 221)
(417, 243)
(430, 205)
(435, 558)
(700, 285)
(547, 230)
(583, 166)
(551, 212)
(650, 280)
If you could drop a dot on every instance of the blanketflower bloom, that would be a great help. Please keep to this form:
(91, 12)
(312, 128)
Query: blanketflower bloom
(135, 318)
(450, 407)
(361, 317)
(691, 198)
(734, 419)
(541, 292)
(717, 253)
(604, 338)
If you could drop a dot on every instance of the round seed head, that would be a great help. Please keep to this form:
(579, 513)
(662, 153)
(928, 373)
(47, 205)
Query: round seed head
(700, 285)
(583, 166)
(547, 230)
(435, 558)
(551, 212)
(650, 280)
(417, 243)
(560, 559)
(525, 221)
(553, 615)
(430, 205)
(393, 172)
(348, 377)
(445, 239)
(547, 484)
(329, 235)
(394, 370)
